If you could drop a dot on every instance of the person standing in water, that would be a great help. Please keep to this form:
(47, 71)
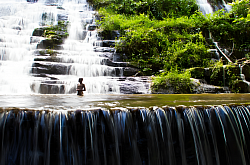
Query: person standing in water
(80, 87)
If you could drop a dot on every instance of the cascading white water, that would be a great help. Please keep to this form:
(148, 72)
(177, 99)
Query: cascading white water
(78, 52)
(18, 19)
(205, 7)
(18, 49)
(227, 6)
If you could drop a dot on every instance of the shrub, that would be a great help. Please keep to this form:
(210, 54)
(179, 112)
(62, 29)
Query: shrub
(174, 80)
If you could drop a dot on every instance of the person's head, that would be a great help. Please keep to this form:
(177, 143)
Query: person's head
(80, 80)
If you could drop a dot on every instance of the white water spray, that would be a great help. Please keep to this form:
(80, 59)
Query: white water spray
(17, 22)
(205, 7)
(18, 19)
(77, 55)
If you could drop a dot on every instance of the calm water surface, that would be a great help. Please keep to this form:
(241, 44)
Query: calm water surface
(89, 101)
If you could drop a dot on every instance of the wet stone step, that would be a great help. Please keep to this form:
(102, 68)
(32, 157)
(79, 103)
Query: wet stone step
(108, 62)
(47, 76)
(92, 27)
(41, 68)
(106, 43)
(104, 49)
(50, 59)
(112, 35)
(87, 21)
(51, 89)
(50, 68)
(49, 44)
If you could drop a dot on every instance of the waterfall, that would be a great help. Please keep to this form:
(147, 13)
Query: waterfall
(23, 70)
(169, 135)
(227, 6)
(16, 26)
(205, 7)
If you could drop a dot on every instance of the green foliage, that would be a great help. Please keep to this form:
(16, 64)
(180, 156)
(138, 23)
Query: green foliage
(228, 75)
(232, 27)
(178, 82)
(54, 35)
(155, 45)
(164, 44)
(160, 35)
(58, 31)
(158, 9)
(233, 78)
(197, 72)
(240, 8)
(217, 77)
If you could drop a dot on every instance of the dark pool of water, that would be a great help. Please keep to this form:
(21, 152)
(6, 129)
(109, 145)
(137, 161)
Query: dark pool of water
(67, 102)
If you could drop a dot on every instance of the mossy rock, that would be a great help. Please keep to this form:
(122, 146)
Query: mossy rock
(38, 32)
(54, 35)
(197, 72)
(224, 74)
(109, 35)
(246, 71)
(173, 88)
(50, 44)
(240, 86)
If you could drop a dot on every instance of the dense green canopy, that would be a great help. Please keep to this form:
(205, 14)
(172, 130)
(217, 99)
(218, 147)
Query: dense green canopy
(166, 34)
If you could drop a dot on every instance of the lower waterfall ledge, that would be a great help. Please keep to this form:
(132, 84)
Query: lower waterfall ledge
(168, 135)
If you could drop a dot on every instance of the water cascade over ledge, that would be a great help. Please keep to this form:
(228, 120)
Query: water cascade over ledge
(205, 7)
(206, 135)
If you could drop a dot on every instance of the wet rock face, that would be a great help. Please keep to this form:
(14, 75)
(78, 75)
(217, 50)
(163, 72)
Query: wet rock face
(50, 44)
(246, 70)
(50, 68)
(38, 32)
(54, 35)
(106, 43)
(129, 71)
(52, 89)
(135, 85)
(224, 79)
(92, 27)
(110, 35)
(242, 86)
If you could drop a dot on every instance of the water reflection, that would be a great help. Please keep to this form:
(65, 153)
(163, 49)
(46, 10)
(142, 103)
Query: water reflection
(67, 102)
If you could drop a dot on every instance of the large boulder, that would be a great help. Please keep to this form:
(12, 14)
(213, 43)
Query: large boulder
(241, 86)
(38, 32)
(246, 70)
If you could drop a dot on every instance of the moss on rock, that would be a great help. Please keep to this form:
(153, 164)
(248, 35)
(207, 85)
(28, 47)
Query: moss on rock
(54, 35)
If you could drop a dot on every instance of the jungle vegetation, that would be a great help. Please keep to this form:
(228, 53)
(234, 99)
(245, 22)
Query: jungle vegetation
(170, 36)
